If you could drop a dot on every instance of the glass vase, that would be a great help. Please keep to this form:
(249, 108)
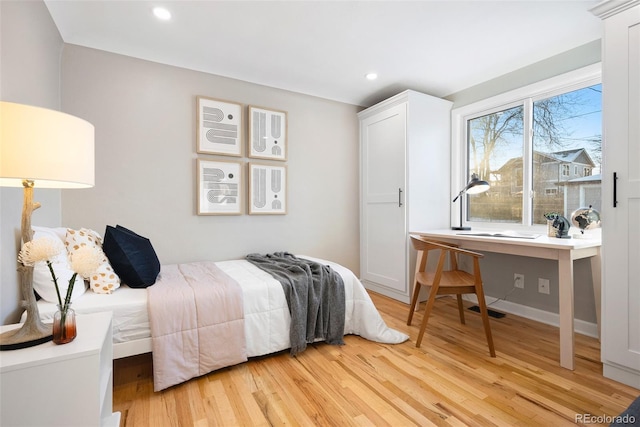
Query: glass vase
(64, 325)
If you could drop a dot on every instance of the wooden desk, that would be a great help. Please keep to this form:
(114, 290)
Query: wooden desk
(565, 251)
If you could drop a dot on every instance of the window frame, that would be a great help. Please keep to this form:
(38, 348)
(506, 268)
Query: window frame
(525, 96)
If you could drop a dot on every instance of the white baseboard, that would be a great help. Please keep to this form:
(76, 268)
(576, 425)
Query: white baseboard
(621, 374)
(546, 317)
(383, 290)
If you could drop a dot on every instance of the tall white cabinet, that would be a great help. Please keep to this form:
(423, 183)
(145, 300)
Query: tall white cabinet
(404, 185)
(621, 192)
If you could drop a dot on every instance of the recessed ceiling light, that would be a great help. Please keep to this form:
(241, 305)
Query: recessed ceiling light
(162, 13)
(371, 76)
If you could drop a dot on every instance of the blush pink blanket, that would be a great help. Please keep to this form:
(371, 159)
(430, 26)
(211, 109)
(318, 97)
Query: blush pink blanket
(197, 322)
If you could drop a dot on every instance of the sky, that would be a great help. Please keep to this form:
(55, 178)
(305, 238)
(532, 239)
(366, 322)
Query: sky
(584, 123)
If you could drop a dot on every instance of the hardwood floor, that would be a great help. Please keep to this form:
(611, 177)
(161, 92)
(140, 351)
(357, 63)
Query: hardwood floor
(450, 380)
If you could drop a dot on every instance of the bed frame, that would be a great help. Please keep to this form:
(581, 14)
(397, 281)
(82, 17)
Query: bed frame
(131, 348)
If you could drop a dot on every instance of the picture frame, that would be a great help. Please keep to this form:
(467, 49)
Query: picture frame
(267, 189)
(219, 127)
(219, 187)
(267, 134)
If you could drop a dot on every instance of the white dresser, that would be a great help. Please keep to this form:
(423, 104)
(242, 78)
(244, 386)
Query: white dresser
(65, 385)
(404, 184)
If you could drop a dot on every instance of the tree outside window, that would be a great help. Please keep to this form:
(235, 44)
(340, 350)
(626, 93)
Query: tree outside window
(554, 166)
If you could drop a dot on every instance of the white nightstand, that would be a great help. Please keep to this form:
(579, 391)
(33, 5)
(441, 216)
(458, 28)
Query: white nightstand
(70, 384)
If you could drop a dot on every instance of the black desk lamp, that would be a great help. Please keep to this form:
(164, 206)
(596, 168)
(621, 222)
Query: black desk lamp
(475, 186)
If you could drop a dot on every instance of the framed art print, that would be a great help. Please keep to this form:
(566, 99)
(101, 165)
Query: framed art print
(219, 127)
(267, 189)
(219, 186)
(267, 134)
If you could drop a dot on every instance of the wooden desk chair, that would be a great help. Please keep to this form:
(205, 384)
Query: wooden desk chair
(447, 282)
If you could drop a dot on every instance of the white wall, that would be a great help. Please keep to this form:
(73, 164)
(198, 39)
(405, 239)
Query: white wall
(29, 74)
(144, 115)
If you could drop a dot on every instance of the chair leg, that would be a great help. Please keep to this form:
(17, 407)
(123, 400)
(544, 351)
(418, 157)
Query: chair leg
(414, 301)
(460, 308)
(485, 320)
(427, 313)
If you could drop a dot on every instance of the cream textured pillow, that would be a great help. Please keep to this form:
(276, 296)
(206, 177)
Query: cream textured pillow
(104, 280)
(42, 281)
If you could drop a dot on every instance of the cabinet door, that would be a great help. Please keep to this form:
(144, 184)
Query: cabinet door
(621, 210)
(383, 229)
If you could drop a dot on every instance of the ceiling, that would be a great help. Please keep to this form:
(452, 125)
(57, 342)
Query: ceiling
(325, 48)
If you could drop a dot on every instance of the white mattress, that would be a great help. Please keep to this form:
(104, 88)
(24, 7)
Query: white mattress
(267, 317)
(128, 305)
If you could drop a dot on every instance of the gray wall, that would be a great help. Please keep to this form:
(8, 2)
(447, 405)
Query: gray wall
(574, 59)
(498, 270)
(144, 114)
(29, 74)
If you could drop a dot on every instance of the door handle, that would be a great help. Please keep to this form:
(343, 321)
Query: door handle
(615, 189)
(399, 197)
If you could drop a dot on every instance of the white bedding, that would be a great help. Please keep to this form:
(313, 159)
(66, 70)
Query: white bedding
(128, 305)
(266, 313)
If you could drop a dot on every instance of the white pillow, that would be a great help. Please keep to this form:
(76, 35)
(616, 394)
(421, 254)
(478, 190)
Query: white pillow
(42, 280)
(104, 280)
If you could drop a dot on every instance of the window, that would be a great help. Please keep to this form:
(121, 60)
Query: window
(527, 143)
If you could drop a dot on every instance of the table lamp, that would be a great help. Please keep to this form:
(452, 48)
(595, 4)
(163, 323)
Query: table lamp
(47, 149)
(474, 186)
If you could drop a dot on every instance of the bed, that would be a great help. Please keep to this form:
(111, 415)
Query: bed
(266, 314)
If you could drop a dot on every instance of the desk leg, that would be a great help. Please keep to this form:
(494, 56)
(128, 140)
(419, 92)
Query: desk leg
(565, 282)
(596, 274)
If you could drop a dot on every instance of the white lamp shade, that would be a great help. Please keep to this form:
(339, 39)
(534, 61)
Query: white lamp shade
(53, 149)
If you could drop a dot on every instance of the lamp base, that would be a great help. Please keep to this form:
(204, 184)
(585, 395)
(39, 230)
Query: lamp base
(17, 339)
(461, 228)
(33, 332)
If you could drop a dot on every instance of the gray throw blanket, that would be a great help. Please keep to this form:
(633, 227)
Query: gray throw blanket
(315, 295)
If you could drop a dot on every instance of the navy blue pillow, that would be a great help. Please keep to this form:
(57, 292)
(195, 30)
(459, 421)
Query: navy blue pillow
(131, 256)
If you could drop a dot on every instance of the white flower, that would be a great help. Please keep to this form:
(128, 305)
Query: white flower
(85, 261)
(42, 249)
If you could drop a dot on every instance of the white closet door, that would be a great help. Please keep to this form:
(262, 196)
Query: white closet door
(383, 231)
(621, 201)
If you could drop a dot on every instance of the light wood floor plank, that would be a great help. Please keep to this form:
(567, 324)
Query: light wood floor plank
(449, 381)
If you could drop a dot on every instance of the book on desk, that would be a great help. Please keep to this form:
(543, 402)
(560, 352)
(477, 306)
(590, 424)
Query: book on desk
(510, 234)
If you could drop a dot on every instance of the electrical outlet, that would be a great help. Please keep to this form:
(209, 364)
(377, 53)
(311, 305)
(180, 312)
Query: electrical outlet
(543, 286)
(518, 280)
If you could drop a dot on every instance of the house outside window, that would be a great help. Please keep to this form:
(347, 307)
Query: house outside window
(527, 143)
